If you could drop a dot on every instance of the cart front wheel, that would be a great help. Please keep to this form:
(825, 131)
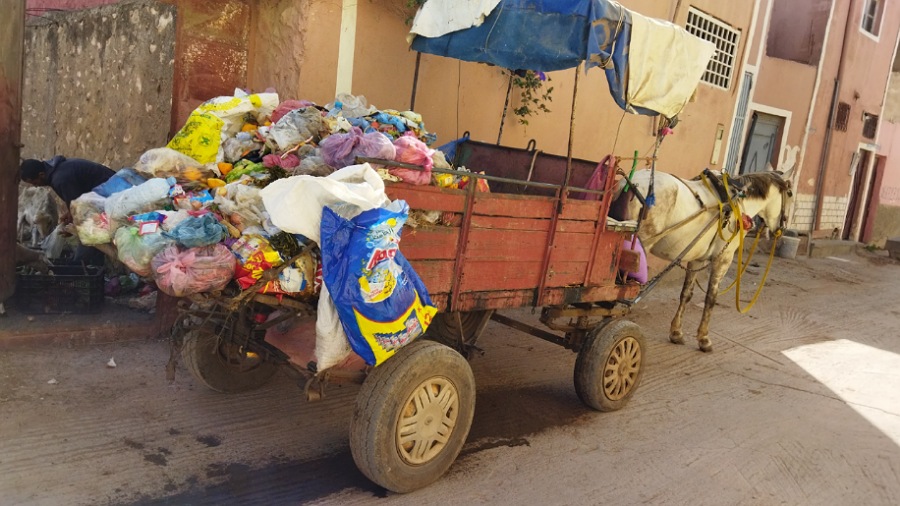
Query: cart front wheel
(412, 416)
(610, 365)
(223, 366)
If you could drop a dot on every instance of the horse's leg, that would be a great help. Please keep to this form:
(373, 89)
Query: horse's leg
(687, 290)
(717, 269)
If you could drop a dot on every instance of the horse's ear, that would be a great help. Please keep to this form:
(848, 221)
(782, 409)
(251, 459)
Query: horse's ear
(788, 174)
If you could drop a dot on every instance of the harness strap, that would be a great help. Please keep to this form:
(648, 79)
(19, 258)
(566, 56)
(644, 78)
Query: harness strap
(695, 194)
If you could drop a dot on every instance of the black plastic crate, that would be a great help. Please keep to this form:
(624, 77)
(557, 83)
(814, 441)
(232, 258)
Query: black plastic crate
(69, 289)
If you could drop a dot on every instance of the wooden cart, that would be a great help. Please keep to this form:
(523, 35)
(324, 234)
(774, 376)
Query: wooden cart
(531, 241)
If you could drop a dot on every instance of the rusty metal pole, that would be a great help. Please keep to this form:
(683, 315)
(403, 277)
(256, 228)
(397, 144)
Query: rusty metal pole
(12, 55)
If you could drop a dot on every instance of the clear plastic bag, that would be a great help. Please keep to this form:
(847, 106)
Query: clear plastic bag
(296, 127)
(165, 162)
(137, 251)
(90, 219)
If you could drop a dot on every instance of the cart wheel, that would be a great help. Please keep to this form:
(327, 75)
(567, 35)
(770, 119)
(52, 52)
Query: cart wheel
(223, 366)
(609, 365)
(412, 416)
(445, 327)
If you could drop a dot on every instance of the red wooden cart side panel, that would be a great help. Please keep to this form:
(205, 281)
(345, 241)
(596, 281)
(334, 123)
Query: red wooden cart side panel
(480, 275)
(499, 299)
(585, 210)
(505, 245)
(430, 198)
(572, 247)
(429, 243)
(606, 258)
(441, 301)
(436, 274)
(578, 227)
(564, 273)
(516, 206)
(507, 223)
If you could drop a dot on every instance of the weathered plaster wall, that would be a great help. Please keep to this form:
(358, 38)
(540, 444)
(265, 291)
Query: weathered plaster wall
(278, 45)
(98, 82)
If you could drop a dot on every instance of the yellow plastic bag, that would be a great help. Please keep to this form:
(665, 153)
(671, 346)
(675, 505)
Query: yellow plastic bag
(200, 137)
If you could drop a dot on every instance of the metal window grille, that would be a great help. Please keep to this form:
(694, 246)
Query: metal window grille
(842, 117)
(721, 66)
(870, 125)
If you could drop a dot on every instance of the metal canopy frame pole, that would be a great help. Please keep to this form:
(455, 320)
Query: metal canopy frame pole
(562, 196)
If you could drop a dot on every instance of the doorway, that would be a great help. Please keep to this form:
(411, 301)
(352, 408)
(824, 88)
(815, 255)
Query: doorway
(762, 146)
(860, 195)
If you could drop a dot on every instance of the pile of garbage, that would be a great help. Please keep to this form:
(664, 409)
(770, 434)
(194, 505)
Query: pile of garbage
(242, 189)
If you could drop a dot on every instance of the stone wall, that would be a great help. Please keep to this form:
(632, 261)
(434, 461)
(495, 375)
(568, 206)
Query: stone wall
(98, 82)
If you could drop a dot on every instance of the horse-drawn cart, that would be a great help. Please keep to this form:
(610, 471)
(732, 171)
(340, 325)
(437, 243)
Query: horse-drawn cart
(541, 237)
(492, 251)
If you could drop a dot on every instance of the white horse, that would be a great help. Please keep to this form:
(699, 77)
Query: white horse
(687, 212)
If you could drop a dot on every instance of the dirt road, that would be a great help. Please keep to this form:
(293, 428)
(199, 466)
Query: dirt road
(798, 404)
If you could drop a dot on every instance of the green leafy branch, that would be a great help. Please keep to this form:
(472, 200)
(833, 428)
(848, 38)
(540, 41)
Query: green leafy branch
(534, 97)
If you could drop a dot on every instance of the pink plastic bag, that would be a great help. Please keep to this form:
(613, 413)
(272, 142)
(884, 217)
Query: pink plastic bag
(181, 272)
(288, 162)
(341, 150)
(413, 151)
(641, 274)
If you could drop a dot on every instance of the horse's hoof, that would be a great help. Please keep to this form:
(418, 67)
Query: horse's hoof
(706, 346)
(675, 339)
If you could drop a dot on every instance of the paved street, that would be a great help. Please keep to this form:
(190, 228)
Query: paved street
(798, 404)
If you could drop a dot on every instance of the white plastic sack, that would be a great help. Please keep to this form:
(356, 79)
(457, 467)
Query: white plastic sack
(295, 203)
(144, 198)
(90, 220)
(332, 345)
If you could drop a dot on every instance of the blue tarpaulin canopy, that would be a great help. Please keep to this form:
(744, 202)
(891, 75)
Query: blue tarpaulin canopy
(547, 35)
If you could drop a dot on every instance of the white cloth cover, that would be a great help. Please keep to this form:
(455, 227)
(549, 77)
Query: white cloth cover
(440, 17)
(295, 204)
(665, 64)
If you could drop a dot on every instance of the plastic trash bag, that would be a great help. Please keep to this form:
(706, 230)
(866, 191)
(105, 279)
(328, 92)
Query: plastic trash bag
(295, 203)
(350, 106)
(341, 150)
(200, 138)
(149, 196)
(165, 162)
(55, 244)
(641, 274)
(90, 219)
(235, 148)
(296, 127)
(122, 180)
(137, 251)
(180, 272)
(198, 231)
(382, 302)
(413, 151)
(332, 345)
(241, 205)
(288, 106)
(313, 165)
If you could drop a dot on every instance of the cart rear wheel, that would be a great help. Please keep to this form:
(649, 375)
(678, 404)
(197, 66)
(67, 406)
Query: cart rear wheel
(412, 416)
(223, 366)
(610, 365)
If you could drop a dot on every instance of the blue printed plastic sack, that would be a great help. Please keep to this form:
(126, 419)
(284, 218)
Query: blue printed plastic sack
(382, 303)
(122, 180)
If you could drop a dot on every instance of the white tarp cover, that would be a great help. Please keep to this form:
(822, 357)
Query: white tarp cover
(440, 17)
(665, 63)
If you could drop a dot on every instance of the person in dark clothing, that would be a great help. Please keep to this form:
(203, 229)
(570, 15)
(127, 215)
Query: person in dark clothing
(69, 178)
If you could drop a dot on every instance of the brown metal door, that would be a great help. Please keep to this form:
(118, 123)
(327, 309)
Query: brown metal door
(12, 41)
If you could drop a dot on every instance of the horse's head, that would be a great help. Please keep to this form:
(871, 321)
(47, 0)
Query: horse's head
(772, 189)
